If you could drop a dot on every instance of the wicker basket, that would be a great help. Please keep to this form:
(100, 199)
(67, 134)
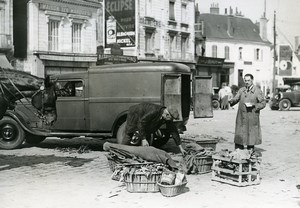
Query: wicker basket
(141, 183)
(171, 190)
(204, 164)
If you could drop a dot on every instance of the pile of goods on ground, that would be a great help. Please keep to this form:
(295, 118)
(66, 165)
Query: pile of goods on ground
(198, 160)
(239, 167)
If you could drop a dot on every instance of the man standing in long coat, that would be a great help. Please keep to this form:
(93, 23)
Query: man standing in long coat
(251, 101)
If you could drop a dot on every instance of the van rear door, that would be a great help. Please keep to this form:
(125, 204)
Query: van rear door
(202, 96)
(171, 92)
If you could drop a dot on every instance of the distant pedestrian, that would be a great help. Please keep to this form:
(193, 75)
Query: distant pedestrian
(223, 96)
(251, 101)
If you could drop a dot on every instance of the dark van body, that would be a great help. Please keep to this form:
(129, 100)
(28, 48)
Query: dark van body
(95, 103)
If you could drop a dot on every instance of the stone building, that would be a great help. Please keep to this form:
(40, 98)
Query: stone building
(6, 33)
(151, 30)
(55, 36)
(241, 43)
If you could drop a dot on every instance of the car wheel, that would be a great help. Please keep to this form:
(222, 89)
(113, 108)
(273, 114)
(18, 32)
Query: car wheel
(121, 133)
(34, 139)
(284, 105)
(160, 138)
(215, 104)
(11, 134)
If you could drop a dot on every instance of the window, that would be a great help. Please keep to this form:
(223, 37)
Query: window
(214, 51)
(149, 42)
(172, 45)
(240, 53)
(172, 10)
(227, 52)
(183, 47)
(183, 13)
(70, 89)
(258, 55)
(53, 26)
(148, 6)
(76, 37)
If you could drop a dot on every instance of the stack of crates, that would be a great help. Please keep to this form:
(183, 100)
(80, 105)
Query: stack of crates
(235, 172)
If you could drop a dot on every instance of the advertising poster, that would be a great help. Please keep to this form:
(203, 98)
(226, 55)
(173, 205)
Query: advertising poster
(285, 60)
(120, 22)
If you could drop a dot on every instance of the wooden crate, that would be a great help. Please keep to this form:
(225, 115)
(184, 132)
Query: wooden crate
(245, 172)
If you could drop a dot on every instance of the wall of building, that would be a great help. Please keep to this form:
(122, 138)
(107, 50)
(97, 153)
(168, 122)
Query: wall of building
(153, 16)
(261, 69)
(6, 26)
(39, 13)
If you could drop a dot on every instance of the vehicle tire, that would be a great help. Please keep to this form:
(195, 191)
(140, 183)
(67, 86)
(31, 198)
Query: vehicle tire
(121, 133)
(34, 139)
(11, 134)
(284, 105)
(215, 104)
(160, 138)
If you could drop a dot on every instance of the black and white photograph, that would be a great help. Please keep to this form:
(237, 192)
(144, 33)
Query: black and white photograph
(149, 103)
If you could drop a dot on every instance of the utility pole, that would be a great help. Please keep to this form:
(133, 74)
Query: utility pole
(275, 56)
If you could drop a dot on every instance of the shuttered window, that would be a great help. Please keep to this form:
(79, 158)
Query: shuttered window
(53, 27)
(227, 52)
(214, 51)
(172, 10)
(76, 37)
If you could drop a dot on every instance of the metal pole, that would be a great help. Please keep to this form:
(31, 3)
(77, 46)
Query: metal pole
(275, 56)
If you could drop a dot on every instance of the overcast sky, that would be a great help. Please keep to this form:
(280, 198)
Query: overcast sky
(287, 14)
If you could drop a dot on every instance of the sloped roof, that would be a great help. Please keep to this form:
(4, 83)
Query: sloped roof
(216, 26)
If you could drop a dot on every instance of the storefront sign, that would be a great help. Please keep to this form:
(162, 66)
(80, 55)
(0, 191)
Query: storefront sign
(120, 22)
(62, 9)
(151, 22)
(115, 59)
(210, 61)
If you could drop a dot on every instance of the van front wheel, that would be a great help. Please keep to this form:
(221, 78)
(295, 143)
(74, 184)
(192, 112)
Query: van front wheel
(11, 134)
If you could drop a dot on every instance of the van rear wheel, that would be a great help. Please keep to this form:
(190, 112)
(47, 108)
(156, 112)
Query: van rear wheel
(11, 133)
(161, 138)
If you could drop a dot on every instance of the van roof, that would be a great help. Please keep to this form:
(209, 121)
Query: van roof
(138, 67)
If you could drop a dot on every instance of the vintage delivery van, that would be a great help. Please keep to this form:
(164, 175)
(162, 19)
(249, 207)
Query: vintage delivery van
(95, 103)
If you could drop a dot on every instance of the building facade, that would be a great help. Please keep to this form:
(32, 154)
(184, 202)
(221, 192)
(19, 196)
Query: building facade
(237, 40)
(6, 33)
(57, 36)
(151, 30)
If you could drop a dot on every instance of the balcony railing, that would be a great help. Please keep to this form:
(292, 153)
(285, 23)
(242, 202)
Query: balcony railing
(5, 41)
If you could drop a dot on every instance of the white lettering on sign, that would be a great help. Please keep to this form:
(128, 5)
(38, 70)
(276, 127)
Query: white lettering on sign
(121, 5)
(64, 9)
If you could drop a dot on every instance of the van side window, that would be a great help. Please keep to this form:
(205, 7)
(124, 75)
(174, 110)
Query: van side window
(69, 89)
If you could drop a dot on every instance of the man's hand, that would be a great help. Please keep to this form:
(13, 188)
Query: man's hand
(145, 143)
(183, 152)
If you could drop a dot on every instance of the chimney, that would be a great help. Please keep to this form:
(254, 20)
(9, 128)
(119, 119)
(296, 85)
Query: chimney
(214, 9)
(230, 11)
(263, 28)
(225, 11)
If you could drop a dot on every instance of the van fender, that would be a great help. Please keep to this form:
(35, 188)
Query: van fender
(121, 118)
(22, 122)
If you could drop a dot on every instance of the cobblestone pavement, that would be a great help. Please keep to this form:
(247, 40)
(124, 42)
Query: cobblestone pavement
(74, 173)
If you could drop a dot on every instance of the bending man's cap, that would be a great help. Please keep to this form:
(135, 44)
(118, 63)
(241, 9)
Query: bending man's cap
(173, 112)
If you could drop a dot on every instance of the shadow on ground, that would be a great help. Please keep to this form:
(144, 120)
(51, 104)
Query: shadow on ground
(8, 162)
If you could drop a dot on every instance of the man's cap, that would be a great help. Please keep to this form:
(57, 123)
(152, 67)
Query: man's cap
(173, 112)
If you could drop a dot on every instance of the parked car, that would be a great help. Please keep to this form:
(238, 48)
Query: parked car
(95, 103)
(286, 97)
(215, 98)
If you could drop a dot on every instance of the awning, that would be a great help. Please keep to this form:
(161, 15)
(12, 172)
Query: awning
(4, 63)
